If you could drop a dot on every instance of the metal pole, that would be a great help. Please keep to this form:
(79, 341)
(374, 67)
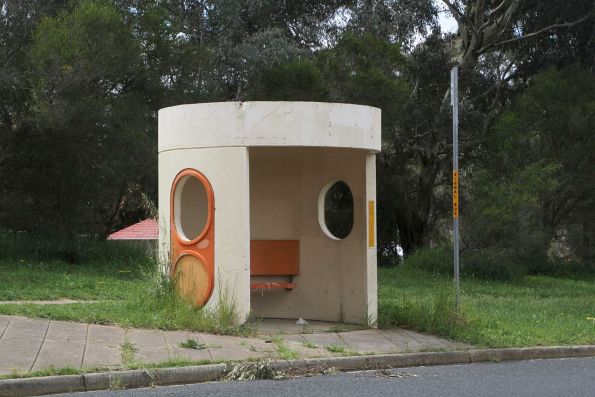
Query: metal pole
(454, 96)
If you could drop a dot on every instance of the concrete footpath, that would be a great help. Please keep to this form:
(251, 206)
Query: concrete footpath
(280, 349)
(29, 345)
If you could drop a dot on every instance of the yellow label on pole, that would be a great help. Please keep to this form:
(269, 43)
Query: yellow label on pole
(455, 194)
(371, 224)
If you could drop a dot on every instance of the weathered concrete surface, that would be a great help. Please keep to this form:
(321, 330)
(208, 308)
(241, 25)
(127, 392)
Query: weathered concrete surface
(28, 345)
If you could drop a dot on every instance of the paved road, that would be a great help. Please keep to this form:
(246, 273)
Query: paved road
(562, 377)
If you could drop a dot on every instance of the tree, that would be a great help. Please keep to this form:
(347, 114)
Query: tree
(537, 184)
(401, 22)
(298, 80)
(486, 25)
(89, 81)
(85, 141)
(368, 70)
(17, 22)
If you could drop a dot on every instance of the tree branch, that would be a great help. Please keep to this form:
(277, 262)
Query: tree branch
(495, 11)
(479, 12)
(497, 8)
(496, 29)
(454, 10)
(540, 31)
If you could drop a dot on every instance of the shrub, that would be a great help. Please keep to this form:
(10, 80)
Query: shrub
(540, 262)
(490, 264)
(77, 250)
(560, 268)
(486, 264)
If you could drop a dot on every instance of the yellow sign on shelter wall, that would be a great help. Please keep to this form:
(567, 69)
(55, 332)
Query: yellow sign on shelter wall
(371, 224)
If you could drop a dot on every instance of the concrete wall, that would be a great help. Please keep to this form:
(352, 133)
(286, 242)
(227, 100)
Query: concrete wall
(227, 171)
(310, 124)
(337, 279)
(372, 239)
(269, 161)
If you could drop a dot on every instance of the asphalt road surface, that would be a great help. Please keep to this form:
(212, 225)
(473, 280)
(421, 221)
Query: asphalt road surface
(561, 377)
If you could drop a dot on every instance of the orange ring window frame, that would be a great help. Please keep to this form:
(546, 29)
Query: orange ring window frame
(202, 247)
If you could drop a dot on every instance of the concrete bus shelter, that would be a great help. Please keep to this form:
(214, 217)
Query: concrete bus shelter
(244, 213)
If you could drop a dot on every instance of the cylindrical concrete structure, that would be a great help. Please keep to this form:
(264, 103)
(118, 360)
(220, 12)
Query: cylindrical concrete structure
(267, 165)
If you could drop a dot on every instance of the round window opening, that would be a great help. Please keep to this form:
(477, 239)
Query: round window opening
(335, 210)
(191, 207)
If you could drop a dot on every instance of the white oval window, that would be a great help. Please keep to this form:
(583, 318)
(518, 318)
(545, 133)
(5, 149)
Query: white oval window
(191, 207)
(335, 210)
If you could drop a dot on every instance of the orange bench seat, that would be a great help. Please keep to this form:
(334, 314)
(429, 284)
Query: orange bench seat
(274, 258)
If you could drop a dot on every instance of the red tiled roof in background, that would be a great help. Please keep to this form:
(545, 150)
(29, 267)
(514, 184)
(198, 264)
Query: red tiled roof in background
(144, 230)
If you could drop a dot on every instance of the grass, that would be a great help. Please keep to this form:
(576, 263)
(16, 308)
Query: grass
(536, 310)
(335, 348)
(53, 371)
(50, 280)
(125, 281)
(283, 351)
(149, 302)
(173, 362)
(128, 349)
(192, 344)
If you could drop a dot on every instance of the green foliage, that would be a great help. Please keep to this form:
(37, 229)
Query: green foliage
(364, 69)
(78, 250)
(413, 166)
(85, 140)
(81, 83)
(335, 348)
(53, 371)
(47, 269)
(491, 264)
(49, 371)
(86, 78)
(496, 264)
(90, 47)
(431, 312)
(192, 344)
(299, 80)
(559, 268)
(537, 187)
(504, 209)
(284, 352)
(434, 260)
(434, 314)
(486, 264)
(125, 282)
(127, 352)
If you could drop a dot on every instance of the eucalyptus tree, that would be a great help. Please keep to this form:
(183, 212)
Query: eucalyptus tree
(86, 79)
(86, 136)
(487, 25)
(528, 194)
